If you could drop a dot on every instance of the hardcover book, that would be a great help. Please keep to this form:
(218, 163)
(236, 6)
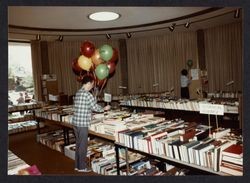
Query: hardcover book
(234, 150)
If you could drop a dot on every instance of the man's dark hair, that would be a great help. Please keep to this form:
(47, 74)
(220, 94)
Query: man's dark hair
(184, 72)
(87, 79)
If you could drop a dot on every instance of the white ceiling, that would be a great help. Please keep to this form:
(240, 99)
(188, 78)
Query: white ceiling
(72, 22)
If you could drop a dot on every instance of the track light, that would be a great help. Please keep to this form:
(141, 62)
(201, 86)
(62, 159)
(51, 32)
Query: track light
(38, 37)
(187, 25)
(237, 13)
(128, 35)
(171, 28)
(60, 38)
(108, 36)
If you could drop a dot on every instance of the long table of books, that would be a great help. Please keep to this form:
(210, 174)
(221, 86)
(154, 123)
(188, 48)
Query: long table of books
(190, 144)
(217, 151)
(62, 116)
(231, 107)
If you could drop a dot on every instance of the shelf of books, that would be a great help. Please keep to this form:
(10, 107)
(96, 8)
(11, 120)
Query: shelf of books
(17, 166)
(49, 87)
(21, 117)
(23, 126)
(231, 106)
(24, 107)
(189, 144)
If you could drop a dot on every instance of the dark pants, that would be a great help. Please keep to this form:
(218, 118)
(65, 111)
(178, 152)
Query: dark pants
(81, 134)
(185, 92)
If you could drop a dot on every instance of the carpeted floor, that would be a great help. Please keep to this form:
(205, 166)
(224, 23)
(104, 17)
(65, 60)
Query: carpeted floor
(48, 161)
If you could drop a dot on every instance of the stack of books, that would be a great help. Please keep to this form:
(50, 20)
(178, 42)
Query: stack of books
(232, 160)
(101, 156)
(15, 164)
(152, 167)
(55, 139)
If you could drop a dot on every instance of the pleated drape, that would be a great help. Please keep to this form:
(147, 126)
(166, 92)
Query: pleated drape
(154, 64)
(37, 68)
(159, 60)
(223, 53)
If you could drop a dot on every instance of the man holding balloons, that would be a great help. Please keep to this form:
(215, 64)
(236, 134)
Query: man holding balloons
(93, 67)
(84, 104)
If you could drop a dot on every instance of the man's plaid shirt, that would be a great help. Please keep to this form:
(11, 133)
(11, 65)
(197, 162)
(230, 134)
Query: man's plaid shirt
(84, 104)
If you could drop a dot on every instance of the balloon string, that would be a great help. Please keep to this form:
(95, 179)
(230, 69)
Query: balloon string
(95, 84)
(94, 78)
(103, 85)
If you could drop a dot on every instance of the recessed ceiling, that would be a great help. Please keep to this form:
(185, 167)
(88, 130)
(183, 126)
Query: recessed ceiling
(25, 22)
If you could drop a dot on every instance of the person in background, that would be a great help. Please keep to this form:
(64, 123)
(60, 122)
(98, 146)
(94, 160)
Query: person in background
(27, 98)
(185, 81)
(84, 104)
(20, 100)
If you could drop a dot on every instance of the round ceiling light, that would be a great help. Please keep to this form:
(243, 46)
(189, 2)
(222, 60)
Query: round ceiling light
(104, 16)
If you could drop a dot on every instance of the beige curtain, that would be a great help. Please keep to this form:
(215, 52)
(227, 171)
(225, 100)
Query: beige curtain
(159, 59)
(223, 50)
(61, 54)
(37, 68)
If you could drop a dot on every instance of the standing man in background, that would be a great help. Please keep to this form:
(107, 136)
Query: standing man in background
(185, 81)
(84, 104)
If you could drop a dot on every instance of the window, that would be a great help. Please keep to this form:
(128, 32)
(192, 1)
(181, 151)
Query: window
(20, 77)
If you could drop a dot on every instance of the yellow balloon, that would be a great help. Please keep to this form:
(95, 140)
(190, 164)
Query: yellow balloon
(84, 62)
(96, 58)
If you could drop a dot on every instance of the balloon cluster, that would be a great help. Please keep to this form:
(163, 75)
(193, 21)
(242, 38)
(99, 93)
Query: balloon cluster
(99, 63)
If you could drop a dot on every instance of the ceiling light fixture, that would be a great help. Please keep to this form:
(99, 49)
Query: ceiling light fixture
(108, 36)
(104, 16)
(171, 28)
(60, 38)
(38, 37)
(237, 13)
(128, 35)
(187, 25)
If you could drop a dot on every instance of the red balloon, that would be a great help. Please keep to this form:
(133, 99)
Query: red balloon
(87, 49)
(75, 67)
(111, 66)
(114, 57)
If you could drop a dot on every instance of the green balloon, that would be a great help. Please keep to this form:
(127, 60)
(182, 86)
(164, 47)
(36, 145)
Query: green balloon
(106, 52)
(102, 71)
